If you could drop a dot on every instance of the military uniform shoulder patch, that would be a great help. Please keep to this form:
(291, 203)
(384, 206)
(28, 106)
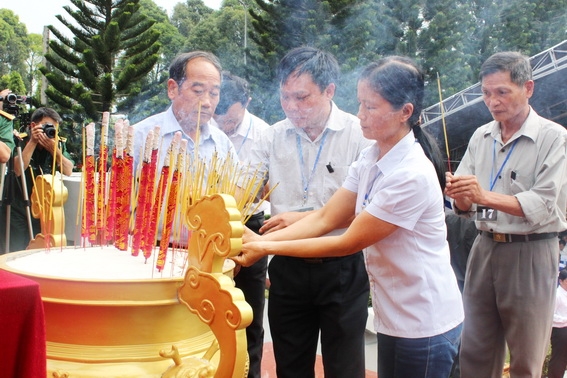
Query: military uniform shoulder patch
(7, 115)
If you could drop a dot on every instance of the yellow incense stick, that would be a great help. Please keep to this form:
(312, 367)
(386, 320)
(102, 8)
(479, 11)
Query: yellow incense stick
(83, 181)
(250, 213)
(48, 229)
(198, 133)
(443, 121)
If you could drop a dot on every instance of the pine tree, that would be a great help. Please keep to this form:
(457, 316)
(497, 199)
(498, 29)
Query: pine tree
(403, 22)
(149, 95)
(113, 47)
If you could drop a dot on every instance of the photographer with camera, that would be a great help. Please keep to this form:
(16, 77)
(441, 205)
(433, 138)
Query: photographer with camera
(6, 128)
(38, 155)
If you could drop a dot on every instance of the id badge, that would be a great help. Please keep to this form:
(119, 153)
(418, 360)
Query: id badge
(486, 214)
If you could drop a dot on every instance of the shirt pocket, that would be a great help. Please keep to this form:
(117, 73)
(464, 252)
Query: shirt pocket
(332, 181)
(520, 184)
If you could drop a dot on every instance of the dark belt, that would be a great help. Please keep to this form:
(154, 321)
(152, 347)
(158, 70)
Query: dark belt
(322, 260)
(512, 238)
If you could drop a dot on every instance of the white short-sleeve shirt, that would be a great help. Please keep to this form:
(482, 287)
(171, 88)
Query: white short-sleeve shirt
(414, 289)
(307, 173)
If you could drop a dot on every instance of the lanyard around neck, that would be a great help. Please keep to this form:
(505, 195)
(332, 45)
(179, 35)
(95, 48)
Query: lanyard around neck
(493, 178)
(304, 181)
(245, 137)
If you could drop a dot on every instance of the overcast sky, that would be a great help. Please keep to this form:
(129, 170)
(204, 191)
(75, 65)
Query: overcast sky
(37, 13)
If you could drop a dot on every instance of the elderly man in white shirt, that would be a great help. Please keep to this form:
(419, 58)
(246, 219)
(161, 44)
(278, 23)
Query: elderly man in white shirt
(194, 90)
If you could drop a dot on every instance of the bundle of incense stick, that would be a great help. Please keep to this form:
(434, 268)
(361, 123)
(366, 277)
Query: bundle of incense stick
(102, 198)
(89, 229)
(152, 199)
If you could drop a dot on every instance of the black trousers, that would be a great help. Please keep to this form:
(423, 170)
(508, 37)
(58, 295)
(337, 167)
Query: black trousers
(558, 361)
(252, 282)
(308, 296)
(19, 229)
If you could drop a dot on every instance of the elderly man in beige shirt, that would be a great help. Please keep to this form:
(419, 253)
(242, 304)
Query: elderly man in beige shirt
(512, 179)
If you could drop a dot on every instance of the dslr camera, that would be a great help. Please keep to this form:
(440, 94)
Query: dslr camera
(11, 102)
(49, 130)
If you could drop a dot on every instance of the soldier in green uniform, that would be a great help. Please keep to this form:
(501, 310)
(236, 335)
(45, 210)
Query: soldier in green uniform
(41, 149)
(6, 135)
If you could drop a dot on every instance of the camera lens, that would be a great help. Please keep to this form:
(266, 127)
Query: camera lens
(11, 98)
(49, 130)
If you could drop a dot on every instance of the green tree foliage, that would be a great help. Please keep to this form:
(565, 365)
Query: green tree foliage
(358, 40)
(442, 52)
(188, 14)
(404, 22)
(33, 61)
(15, 82)
(14, 45)
(480, 40)
(231, 37)
(449, 38)
(113, 47)
(204, 36)
(222, 33)
(531, 26)
(278, 26)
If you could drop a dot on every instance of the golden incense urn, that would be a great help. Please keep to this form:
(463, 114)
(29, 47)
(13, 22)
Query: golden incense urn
(191, 325)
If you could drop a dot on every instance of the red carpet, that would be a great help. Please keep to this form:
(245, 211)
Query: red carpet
(269, 365)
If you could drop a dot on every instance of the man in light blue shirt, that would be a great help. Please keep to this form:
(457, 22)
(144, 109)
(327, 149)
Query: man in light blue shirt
(194, 90)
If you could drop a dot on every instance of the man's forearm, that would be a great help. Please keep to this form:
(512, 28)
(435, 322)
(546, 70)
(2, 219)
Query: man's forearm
(502, 202)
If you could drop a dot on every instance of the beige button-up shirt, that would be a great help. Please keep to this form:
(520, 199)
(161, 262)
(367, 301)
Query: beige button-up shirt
(532, 166)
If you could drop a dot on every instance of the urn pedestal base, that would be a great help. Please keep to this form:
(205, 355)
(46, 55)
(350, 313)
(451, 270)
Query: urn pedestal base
(111, 327)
